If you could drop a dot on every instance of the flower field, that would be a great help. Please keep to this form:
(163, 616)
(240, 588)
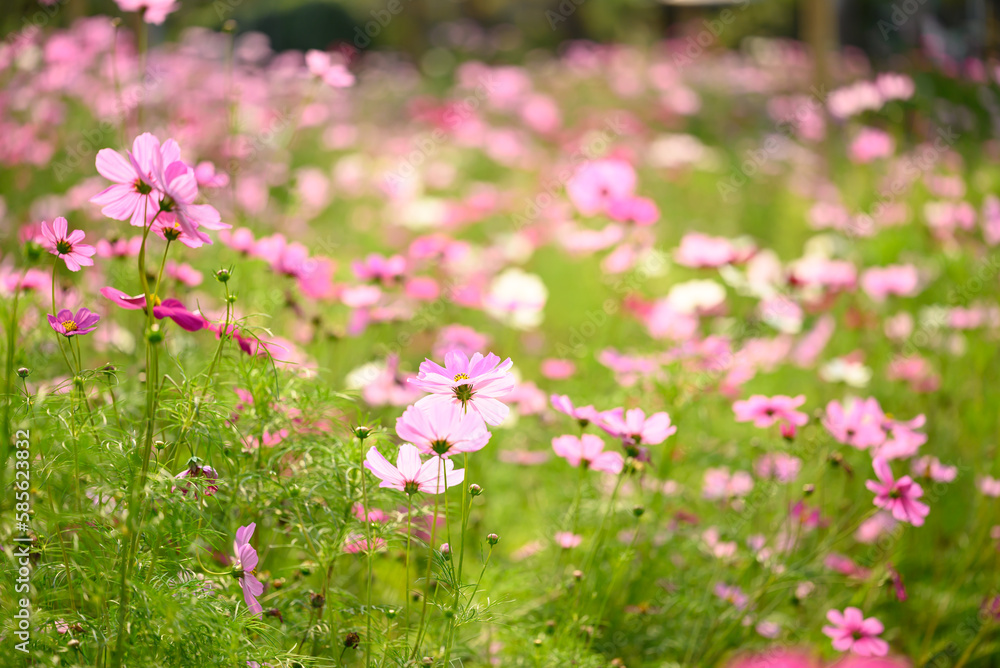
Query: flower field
(612, 356)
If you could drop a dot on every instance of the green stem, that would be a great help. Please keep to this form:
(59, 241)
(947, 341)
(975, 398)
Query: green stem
(430, 564)
(406, 581)
(137, 492)
(370, 548)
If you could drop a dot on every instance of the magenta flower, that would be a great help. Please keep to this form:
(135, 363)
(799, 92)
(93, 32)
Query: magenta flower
(478, 383)
(66, 245)
(634, 428)
(582, 414)
(765, 411)
(897, 496)
(410, 475)
(67, 324)
(195, 470)
(850, 631)
(442, 429)
(244, 564)
(132, 196)
(588, 450)
(168, 308)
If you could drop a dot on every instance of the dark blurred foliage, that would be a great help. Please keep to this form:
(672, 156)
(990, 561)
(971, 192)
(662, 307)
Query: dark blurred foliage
(881, 28)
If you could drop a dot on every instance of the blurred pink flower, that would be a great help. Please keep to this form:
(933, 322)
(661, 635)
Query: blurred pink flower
(898, 496)
(598, 183)
(635, 428)
(896, 279)
(244, 564)
(850, 631)
(588, 450)
(766, 411)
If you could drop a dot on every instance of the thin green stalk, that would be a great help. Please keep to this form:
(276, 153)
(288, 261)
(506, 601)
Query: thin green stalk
(406, 581)
(430, 565)
(137, 493)
(368, 551)
(466, 511)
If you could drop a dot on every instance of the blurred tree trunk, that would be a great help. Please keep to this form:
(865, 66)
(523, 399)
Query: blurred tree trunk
(819, 25)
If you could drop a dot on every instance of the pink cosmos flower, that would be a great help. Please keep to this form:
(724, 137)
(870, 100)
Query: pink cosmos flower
(933, 469)
(896, 279)
(898, 496)
(567, 540)
(59, 241)
(721, 485)
(731, 594)
(67, 324)
(846, 566)
(765, 411)
(177, 182)
(850, 631)
(779, 465)
(871, 144)
(635, 428)
(989, 486)
(133, 197)
(478, 383)
(640, 211)
(243, 567)
(598, 183)
(335, 75)
(196, 470)
(410, 475)
(168, 308)
(377, 267)
(588, 450)
(859, 424)
(776, 658)
(442, 429)
(558, 369)
(583, 414)
(702, 251)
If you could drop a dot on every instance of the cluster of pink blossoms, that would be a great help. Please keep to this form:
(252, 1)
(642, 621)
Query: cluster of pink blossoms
(465, 396)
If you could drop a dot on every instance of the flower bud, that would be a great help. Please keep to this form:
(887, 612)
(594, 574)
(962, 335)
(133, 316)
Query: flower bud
(475, 490)
(23, 372)
(222, 276)
(638, 511)
(492, 539)
(808, 489)
(230, 299)
(33, 251)
(352, 640)
(317, 600)
(154, 334)
(577, 574)
(446, 551)
(788, 431)
(362, 432)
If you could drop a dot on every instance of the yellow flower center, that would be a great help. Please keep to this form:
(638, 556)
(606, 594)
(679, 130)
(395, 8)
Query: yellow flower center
(70, 326)
(461, 376)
